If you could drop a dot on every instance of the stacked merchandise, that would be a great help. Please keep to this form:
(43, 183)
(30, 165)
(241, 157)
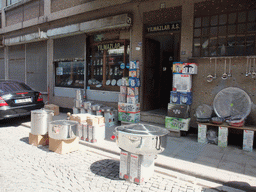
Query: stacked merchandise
(39, 126)
(62, 137)
(180, 97)
(90, 128)
(136, 168)
(89, 107)
(128, 105)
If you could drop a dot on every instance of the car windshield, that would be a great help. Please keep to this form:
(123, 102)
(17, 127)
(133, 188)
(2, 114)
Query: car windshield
(8, 87)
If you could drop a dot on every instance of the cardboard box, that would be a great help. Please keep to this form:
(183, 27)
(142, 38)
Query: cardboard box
(134, 65)
(175, 97)
(133, 117)
(182, 82)
(223, 137)
(177, 110)
(53, 107)
(190, 68)
(132, 91)
(124, 165)
(248, 140)
(132, 73)
(202, 129)
(38, 139)
(132, 81)
(123, 90)
(177, 67)
(141, 168)
(122, 107)
(177, 124)
(132, 99)
(110, 118)
(133, 108)
(125, 81)
(92, 121)
(122, 98)
(80, 118)
(95, 133)
(64, 146)
(186, 98)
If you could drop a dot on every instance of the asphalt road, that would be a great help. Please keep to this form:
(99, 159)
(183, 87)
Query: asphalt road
(24, 167)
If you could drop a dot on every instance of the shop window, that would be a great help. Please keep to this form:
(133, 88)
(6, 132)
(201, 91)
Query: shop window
(225, 34)
(69, 74)
(108, 62)
(10, 2)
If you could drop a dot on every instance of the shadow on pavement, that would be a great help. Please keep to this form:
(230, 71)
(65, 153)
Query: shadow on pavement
(237, 185)
(14, 122)
(107, 168)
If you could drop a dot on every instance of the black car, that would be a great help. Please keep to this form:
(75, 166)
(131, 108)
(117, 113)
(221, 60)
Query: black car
(18, 99)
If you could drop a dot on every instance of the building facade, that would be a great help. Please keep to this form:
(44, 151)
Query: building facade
(59, 46)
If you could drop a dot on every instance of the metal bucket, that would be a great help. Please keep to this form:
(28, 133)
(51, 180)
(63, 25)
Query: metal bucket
(63, 129)
(79, 94)
(39, 121)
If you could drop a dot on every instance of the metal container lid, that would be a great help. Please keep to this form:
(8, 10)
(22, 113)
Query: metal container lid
(141, 129)
(64, 122)
(42, 111)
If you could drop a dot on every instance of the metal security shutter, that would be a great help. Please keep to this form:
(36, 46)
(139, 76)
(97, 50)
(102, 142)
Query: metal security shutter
(36, 65)
(16, 62)
(2, 65)
(69, 47)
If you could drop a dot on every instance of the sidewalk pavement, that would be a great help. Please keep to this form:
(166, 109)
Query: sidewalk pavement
(229, 166)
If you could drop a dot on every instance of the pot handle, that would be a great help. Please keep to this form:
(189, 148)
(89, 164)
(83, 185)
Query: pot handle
(158, 143)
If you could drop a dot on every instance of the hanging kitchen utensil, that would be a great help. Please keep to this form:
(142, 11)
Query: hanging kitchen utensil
(253, 73)
(225, 75)
(229, 72)
(215, 68)
(250, 63)
(247, 66)
(210, 77)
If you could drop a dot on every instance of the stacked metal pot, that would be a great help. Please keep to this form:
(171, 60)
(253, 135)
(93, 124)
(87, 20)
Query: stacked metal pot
(139, 145)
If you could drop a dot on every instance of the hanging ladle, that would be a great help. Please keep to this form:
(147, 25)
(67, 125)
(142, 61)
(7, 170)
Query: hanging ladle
(249, 72)
(247, 65)
(253, 73)
(210, 77)
(229, 73)
(215, 66)
(225, 75)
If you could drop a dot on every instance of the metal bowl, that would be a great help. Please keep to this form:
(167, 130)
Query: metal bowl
(141, 139)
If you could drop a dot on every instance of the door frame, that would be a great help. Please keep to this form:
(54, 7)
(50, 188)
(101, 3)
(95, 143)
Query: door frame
(149, 36)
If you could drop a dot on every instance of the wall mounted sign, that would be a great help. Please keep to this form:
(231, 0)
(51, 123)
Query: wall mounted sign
(175, 26)
(109, 46)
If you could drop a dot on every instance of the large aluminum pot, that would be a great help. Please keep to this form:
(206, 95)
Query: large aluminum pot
(39, 121)
(141, 139)
(63, 129)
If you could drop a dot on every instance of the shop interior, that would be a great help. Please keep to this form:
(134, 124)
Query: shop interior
(160, 53)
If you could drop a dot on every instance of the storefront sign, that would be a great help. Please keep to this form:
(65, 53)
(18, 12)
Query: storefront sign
(109, 46)
(164, 27)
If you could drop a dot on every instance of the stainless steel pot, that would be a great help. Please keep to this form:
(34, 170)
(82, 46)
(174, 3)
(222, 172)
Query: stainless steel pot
(141, 139)
(78, 103)
(96, 107)
(63, 129)
(39, 121)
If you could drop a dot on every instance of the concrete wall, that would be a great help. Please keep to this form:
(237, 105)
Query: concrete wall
(205, 92)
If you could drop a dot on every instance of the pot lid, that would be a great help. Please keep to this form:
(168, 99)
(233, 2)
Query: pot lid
(141, 129)
(42, 111)
(64, 122)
